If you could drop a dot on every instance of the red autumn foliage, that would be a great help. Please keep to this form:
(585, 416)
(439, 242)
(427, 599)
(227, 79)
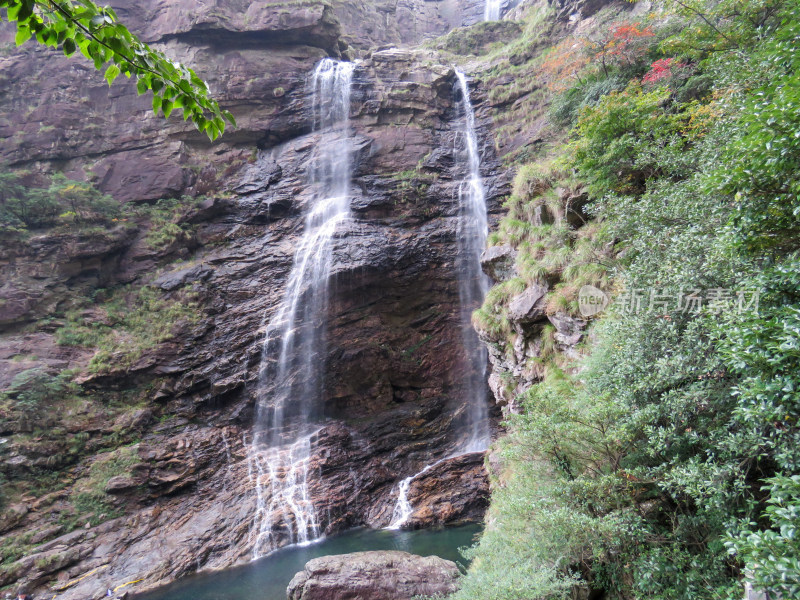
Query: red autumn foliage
(564, 63)
(662, 69)
(626, 44)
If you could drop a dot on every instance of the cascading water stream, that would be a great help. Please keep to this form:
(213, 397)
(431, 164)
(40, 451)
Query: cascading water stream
(291, 375)
(473, 284)
(403, 508)
(492, 10)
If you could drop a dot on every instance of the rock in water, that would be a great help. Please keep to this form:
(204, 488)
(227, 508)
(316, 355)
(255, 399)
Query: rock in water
(380, 575)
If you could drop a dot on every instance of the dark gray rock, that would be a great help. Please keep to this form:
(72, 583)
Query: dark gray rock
(569, 330)
(175, 279)
(498, 262)
(529, 306)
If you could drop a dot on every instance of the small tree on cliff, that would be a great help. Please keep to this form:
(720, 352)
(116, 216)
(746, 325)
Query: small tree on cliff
(82, 26)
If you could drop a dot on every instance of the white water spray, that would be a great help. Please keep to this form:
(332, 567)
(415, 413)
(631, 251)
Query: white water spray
(292, 363)
(492, 10)
(403, 509)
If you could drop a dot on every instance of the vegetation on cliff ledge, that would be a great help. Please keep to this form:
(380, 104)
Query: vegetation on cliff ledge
(666, 462)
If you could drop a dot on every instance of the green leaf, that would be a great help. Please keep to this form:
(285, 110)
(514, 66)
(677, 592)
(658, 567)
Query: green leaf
(25, 11)
(69, 47)
(94, 30)
(13, 12)
(111, 73)
(23, 35)
(229, 117)
(85, 48)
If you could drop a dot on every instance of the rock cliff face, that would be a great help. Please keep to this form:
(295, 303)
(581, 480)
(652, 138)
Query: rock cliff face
(159, 442)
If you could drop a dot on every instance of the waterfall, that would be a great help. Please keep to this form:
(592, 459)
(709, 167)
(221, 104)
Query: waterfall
(492, 10)
(472, 282)
(291, 376)
(403, 509)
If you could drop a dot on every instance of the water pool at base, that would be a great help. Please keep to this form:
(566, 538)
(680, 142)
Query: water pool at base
(267, 578)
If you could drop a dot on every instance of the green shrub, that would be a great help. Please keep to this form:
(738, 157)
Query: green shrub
(63, 201)
(568, 104)
(25, 207)
(166, 221)
(34, 389)
(666, 463)
(81, 201)
(135, 320)
(615, 138)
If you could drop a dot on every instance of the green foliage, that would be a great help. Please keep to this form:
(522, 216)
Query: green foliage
(665, 465)
(724, 26)
(33, 390)
(567, 106)
(491, 318)
(772, 556)
(22, 207)
(64, 201)
(761, 161)
(84, 203)
(166, 221)
(89, 500)
(617, 136)
(130, 322)
(82, 25)
(12, 548)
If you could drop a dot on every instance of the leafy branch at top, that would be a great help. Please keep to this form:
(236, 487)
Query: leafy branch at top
(94, 31)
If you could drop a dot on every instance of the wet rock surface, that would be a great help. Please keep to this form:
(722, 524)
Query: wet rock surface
(452, 491)
(380, 575)
(393, 398)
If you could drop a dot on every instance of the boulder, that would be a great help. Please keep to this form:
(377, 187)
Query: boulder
(380, 575)
(529, 306)
(498, 262)
(120, 484)
(569, 330)
(175, 279)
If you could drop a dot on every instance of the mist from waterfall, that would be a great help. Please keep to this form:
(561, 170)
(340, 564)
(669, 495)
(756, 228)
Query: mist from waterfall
(492, 10)
(292, 374)
(473, 284)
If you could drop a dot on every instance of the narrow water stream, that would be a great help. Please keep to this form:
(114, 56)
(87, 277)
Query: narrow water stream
(267, 578)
